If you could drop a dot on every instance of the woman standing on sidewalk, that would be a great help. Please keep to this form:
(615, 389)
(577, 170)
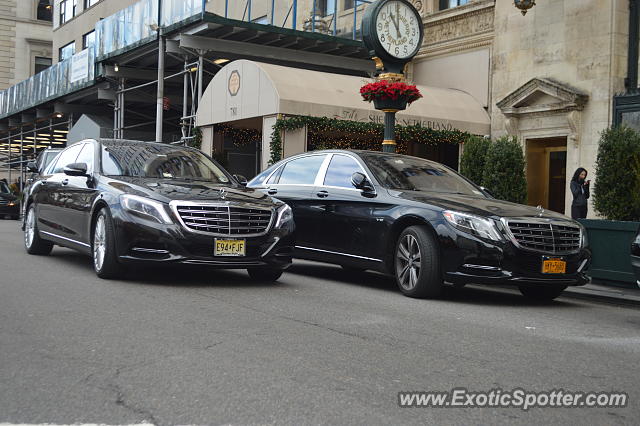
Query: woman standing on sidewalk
(580, 190)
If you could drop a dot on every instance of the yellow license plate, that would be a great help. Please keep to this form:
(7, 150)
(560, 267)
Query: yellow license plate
(554, 266)
(230, 248)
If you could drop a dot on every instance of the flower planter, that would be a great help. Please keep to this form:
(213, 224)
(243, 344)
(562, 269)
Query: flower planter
(397, 104)
(610, 243)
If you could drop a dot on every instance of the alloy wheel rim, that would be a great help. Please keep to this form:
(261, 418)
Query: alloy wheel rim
(99, 243)
(408, 262)
(29, 229)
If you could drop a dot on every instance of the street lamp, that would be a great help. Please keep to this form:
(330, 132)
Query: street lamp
(524, 5)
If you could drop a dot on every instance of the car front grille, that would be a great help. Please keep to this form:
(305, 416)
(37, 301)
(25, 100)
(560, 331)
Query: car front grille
(227, 220)
(544, 236)
(4, 202)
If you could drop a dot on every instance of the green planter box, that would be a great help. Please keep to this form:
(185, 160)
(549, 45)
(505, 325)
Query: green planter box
(610, 243)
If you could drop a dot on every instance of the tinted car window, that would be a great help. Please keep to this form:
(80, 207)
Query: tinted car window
(86, 156)
(301, 171)
(66, 157)
(340, 170)
(4, 188)
(155, 160)
(415, 174)
(259, 180)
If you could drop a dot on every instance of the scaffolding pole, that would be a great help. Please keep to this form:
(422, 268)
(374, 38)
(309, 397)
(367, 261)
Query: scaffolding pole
(160, 94)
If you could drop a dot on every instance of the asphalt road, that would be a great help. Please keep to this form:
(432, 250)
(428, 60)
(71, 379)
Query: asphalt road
(187, 346)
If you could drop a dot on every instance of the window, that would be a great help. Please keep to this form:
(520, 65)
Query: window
(41, 64)
(67, 51)
(325, 7)
(89, 3)
(301, 171)
(88, 39)
(65, 158)
(448, 4)
(67, 10)
(86, 156)
(44, 11)
(349, 4)
(340, 170)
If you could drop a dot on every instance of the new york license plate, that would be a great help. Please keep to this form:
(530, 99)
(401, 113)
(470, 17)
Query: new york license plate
(229, 248)
(554, 266)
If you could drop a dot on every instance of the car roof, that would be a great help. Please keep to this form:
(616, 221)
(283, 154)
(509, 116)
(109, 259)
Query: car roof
(358, 152)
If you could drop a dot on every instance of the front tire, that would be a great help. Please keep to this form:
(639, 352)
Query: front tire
(265, 274)
(32, 241)
(105, 260)
(417, 263)
(541, 294)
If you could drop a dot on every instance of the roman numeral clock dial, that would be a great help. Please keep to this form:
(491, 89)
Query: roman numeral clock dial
(393, 30)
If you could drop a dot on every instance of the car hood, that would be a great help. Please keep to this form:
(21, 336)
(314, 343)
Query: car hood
(478, 205)
(166, 190)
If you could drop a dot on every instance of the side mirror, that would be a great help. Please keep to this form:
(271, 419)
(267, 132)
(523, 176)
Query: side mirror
(32, 167)
(241, 179)
(76, 169)
(359, 180)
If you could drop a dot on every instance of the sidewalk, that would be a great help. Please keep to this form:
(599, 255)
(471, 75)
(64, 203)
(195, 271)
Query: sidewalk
(605, 293)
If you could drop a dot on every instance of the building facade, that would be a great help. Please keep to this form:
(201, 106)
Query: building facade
(25, 39)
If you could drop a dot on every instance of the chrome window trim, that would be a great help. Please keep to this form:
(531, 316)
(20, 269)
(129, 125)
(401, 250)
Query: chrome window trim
(65, 238)
(338, 253)
(228, 204)
(558, 222)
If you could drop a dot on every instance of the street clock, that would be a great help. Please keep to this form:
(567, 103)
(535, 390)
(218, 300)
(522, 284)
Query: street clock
(392, 31)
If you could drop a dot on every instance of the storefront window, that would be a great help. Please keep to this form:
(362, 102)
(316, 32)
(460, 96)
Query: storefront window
(44, 12)
(67, 51)
(325, 7)
(448, 4)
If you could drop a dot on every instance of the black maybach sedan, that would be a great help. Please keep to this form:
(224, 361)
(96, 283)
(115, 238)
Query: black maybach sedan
(126, 202)
(424, 223)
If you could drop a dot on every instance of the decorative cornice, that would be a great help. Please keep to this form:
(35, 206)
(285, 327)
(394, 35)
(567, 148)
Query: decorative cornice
(461, 26)
(569, 99)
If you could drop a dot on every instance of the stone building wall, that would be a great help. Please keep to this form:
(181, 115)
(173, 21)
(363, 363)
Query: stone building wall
(7, 42)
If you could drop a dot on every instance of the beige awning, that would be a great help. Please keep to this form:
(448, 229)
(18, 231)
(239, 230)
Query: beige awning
(246, 89)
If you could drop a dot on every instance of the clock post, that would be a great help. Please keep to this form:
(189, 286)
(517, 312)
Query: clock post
(392, 31)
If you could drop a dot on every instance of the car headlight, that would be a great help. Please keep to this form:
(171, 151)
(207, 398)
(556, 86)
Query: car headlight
(476, 225)
(284, 215)
(146, 208)
(584, 240)
(11, 203)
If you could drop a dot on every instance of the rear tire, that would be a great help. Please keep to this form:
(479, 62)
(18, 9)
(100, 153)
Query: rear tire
(541, 294)
(417, 263)
(103, 249)
(265, 274)
(32, 241)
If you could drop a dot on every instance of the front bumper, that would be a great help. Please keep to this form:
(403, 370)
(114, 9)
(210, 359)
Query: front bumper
(142, 241)
(467, 260)
(7, 210)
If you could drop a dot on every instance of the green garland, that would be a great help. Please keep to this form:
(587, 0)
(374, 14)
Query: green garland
(356, 135)
(240, 137)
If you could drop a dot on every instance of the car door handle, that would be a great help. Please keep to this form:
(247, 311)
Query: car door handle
(272, 191)
(65, 182)
(322, 194)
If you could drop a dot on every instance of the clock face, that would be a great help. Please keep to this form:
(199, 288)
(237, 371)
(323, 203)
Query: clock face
(398, 29)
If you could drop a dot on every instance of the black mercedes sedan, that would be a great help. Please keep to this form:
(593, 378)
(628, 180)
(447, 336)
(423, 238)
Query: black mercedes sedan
(424, 223)
(127, 202)
(9, 203)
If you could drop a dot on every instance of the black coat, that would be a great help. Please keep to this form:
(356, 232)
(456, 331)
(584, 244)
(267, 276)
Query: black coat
(580, 194)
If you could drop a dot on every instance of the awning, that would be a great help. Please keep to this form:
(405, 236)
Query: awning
(247, 89)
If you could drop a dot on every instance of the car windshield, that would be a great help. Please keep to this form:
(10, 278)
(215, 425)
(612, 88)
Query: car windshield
(4, 188)
(416, 174)
(152, 160)
(47, 157)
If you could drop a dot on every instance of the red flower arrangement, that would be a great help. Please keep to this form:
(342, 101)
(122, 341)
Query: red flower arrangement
(383, 89)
